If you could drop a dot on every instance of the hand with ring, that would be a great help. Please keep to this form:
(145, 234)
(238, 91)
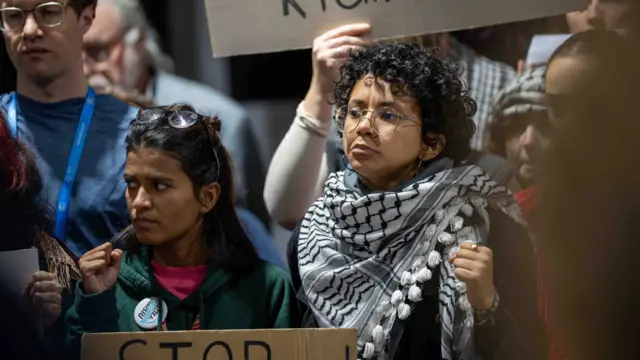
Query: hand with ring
(474, 266)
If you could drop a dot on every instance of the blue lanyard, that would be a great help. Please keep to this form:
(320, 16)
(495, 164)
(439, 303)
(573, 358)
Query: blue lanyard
(64, 198)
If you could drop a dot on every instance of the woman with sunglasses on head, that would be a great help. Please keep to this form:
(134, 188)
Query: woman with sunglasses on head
(187, 261)
(255, 229)
(428, 259)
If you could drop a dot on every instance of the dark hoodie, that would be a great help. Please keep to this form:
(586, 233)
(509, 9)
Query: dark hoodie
(261, 298)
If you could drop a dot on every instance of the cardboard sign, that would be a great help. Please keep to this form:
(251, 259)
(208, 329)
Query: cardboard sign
(295, 344)
(259, 26)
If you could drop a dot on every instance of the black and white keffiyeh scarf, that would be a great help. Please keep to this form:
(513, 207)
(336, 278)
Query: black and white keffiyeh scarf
(364, 258)
(524, 94)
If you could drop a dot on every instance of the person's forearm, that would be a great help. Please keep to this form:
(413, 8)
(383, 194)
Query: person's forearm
(318, 104)
(294, 176)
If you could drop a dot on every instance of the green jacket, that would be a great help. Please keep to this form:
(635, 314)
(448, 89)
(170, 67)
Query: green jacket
(261, 299)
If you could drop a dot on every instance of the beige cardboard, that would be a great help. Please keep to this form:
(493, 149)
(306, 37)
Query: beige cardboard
(298, 344)
(259, 26)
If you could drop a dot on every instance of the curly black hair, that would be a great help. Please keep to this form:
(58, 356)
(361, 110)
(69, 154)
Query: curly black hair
(433, 80)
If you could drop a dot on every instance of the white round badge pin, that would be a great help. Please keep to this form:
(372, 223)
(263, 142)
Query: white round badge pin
(147, 312)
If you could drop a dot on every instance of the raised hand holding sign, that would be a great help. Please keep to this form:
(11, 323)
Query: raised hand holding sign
(332, 49)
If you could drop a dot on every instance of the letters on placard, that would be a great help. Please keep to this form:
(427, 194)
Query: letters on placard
(288, 5)
(216, 349)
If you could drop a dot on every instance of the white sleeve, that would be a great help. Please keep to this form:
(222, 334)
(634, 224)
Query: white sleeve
(298, 170)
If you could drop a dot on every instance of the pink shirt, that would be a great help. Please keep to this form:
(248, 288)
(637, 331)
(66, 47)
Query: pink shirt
(180, 281)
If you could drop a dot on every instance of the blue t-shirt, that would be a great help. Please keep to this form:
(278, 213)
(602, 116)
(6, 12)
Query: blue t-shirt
(261, 239)
(98, 208)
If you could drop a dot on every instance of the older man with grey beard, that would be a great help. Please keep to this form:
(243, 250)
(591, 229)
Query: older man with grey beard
(121, 50)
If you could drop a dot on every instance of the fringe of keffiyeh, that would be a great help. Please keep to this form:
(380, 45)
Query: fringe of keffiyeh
(59, 262)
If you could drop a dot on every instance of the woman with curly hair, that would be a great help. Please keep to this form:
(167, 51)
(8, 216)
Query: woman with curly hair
(24, 225)
(428, 259)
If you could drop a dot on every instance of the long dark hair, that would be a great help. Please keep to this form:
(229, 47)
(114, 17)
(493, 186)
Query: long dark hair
(21, 218)
(194, 148)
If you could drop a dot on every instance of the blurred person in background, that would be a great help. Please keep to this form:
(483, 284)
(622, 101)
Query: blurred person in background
(520, 132)
(75, 134)
(121, 49)
(312, 149)
(604, 15)
(24, 225)
(586, 224)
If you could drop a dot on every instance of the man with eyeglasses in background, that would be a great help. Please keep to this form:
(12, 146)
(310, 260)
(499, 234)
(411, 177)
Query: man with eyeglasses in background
(76, 135)
(121, 50)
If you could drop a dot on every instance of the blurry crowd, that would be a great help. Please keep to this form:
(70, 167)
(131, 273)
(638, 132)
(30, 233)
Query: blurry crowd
(445, 203)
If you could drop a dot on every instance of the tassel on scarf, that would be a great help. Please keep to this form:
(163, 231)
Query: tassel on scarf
(59, 262)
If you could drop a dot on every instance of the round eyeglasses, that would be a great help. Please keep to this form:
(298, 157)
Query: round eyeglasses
(384, 120)
(178, 119)
(49, 14)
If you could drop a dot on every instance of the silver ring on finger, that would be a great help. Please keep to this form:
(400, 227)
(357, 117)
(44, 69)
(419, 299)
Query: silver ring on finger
(339, 51)
(474, 247)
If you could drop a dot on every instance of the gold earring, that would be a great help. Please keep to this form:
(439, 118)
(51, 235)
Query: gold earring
(420, 164)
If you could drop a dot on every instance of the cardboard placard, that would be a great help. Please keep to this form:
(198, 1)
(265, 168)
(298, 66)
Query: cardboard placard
(289, 344)
(259, 26)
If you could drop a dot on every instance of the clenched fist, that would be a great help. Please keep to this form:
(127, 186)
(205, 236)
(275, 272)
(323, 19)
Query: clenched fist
(474, 266)
(46, 294)
(99, 268)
